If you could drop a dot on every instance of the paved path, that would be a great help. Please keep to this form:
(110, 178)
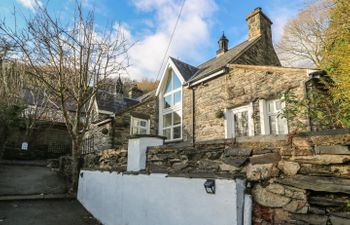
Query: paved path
(29, 180)
(26, 180)
(44, 212)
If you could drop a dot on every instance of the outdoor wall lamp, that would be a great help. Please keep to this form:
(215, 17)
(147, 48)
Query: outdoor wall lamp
(209, 186)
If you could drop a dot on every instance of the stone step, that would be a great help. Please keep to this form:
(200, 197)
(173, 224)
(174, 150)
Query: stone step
(318, 183)
(333, 150)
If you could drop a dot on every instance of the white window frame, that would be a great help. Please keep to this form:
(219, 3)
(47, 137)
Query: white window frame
(264, 117)
(133, 119)
(229, 121)
(173, 108)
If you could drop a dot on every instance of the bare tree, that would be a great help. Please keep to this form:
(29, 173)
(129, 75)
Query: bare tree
(71, 61)
(303, 39)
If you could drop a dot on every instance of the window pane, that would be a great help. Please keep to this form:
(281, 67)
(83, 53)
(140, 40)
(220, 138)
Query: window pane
(177, 132)
(241, 124)
(278, 105)
(177, 118)
(142, 131)
(177, 97)
(143, 123)
(167, 101)
(167, 133)
(282, 125)
(176, 81)
(167, 120)
(272, 123)
(168, 85)
(270, 107)
(244, 119)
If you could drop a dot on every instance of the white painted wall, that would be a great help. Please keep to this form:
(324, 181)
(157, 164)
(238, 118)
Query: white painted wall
(117, 199)
(137, 148)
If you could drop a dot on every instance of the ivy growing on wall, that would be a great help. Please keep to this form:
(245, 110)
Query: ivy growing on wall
(319, 109)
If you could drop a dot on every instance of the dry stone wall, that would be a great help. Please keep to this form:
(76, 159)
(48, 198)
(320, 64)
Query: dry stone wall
(295, 179)
(110, 159)
(302, 179)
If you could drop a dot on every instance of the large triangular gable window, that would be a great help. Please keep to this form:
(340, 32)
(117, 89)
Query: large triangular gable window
(170, 105)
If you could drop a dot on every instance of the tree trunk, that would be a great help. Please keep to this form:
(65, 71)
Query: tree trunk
(75, 166)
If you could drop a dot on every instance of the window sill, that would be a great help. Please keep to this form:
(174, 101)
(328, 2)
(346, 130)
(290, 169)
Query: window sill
(135, 136)
(173, 141)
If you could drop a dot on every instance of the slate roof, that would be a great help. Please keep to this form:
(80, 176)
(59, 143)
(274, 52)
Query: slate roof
(37, 97)
(217, 63)
(185, 69)
(146, 96)
(110, 102)
(29, 98)
(191, 73)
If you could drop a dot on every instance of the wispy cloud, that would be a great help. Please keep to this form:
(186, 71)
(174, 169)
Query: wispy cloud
(191, 34)
(30, 4)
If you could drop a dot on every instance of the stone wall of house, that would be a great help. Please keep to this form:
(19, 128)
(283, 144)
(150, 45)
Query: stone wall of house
(301, 179)
(242, 85)
(147, 109)
(262, 53)
(113, 133)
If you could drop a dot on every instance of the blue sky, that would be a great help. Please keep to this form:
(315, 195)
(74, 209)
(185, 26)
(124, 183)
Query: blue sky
(149, 23)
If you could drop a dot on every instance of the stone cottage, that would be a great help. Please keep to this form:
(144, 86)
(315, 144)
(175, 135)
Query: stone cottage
(236, 93)
(208, 147)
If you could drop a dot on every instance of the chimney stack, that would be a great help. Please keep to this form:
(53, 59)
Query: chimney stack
(134, 92)
(259, 25)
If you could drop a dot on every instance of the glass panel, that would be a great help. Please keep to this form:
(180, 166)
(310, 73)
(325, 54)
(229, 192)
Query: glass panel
(176, 81)
(270, 107)
(245, 130)
(168, 85)
(278, 105)
(134, 130)
(241, 124)
(236, 121)
(143, 123)
(167, 101)
(272, 123)
(282, 125)
(167, 133)
(177, 118)
(142, 131)
(177, 97)
(167, 120)
(177, 132)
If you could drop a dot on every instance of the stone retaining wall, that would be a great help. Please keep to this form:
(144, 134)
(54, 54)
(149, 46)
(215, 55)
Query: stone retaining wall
(110, 159)
(303, 179)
